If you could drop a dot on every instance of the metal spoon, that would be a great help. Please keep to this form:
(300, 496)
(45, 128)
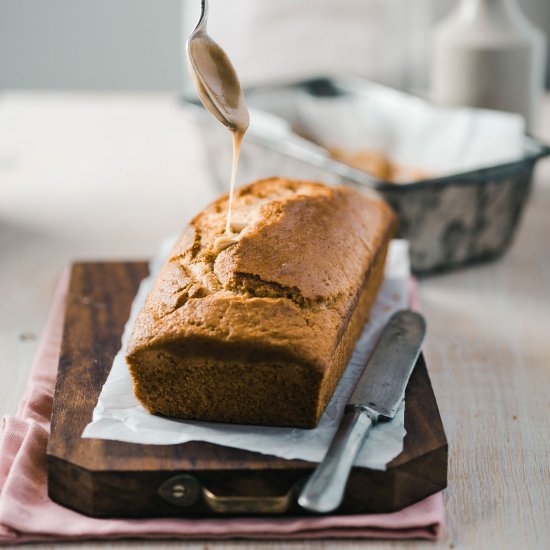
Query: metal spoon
(215, 78)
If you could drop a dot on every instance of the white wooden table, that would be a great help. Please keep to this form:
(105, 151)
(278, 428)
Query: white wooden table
(108, 176)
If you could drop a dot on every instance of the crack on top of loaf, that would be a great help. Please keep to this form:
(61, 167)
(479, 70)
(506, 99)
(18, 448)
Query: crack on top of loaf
(247, 285)
(197, 244)
(254, 286)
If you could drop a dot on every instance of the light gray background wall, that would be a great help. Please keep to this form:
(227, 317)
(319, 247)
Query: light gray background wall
(90, 44)
(114, 44)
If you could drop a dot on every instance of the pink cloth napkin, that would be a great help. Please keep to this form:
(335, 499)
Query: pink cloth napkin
(27, 514)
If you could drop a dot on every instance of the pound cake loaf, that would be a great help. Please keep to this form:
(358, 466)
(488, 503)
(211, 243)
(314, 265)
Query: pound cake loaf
(260, 332)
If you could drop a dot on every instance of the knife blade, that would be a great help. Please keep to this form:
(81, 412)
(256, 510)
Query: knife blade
(376, 397)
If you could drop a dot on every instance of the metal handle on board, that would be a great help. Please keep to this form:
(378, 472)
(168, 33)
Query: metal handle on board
(185, 490)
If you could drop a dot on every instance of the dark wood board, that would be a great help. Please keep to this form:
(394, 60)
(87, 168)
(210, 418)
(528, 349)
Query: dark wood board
(115, 479)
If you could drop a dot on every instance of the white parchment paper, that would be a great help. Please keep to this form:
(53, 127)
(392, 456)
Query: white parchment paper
(119, 416)
(412, 131)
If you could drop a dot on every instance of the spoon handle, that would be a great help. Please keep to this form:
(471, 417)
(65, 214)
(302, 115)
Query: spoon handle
(204, 8)
(204, 16)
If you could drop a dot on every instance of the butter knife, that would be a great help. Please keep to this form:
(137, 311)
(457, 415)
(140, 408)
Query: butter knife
(376, 398)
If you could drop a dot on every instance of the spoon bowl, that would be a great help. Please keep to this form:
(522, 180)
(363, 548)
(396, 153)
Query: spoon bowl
(215, 78)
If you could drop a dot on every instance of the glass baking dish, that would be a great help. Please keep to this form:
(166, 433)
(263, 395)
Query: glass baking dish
(450, 221)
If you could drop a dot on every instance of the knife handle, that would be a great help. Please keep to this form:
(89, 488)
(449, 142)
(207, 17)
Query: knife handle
(324, 490)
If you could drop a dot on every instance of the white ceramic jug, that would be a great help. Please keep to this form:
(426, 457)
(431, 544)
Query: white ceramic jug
(487, 54)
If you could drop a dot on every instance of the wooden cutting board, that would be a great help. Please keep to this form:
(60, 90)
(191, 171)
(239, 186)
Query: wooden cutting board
(114, 479)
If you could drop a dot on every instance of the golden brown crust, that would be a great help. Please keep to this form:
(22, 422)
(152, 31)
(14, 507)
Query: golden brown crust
(283, 294)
